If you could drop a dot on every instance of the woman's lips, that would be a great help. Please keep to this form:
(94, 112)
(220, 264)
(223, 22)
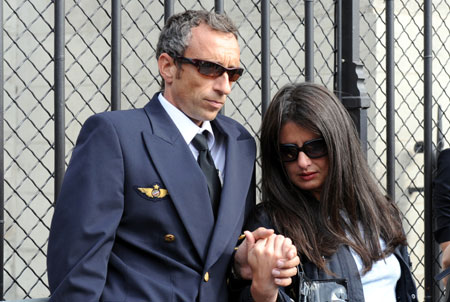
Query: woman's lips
(308, 175)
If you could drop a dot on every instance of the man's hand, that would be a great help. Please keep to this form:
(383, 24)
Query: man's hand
(286, 267)
(241, 264)
(265, 258)
(262, 259)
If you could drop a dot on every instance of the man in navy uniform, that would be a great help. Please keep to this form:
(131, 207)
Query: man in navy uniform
(137, 218)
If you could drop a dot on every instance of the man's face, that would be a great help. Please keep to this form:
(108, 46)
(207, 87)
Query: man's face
(201, 97)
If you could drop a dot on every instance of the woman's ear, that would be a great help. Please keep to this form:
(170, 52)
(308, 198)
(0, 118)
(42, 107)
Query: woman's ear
(167, 68)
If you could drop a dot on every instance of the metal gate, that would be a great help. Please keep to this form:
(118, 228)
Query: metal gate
(66, 60)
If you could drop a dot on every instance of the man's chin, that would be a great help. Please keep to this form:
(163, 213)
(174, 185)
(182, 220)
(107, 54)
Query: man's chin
(212, 115)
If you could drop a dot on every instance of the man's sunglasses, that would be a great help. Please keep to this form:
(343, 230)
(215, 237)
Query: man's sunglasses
(212, 69)
(314, 148)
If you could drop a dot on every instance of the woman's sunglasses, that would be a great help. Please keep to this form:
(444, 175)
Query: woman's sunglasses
(314, 148)
(212, 69)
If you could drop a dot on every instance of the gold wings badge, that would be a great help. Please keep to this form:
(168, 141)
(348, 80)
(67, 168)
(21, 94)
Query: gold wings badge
(155, 192)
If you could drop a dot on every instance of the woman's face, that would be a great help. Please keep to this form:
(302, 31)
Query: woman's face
(306, 173)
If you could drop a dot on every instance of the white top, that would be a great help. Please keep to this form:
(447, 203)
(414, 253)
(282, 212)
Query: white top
(189, 130)
(379, 283)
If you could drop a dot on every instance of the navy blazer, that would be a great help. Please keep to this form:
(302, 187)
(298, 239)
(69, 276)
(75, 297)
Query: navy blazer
(133, 221)
(441, 198)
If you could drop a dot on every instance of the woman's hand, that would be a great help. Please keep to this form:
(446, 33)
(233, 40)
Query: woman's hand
(269, 257)
(241, 265)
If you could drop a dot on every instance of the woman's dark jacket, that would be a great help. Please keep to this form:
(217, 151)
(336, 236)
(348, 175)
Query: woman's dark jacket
(341, 263)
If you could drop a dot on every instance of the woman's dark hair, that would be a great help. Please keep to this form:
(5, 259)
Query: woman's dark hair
(352, 210)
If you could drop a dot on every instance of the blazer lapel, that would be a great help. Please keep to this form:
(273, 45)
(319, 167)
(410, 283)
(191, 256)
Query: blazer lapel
(181, 175)
(240, 159)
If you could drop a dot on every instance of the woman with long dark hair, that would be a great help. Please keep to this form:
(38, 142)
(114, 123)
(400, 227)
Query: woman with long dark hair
(318, 191)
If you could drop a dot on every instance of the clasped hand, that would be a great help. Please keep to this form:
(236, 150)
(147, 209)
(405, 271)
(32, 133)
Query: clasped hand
(267, 259)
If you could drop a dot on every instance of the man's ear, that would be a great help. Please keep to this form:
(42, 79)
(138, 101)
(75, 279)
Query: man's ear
(167, 67)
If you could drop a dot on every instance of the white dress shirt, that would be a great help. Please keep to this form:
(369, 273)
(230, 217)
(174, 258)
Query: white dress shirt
(189, 130)
(379, 283)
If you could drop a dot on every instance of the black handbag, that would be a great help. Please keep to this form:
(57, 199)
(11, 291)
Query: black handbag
(323, 290)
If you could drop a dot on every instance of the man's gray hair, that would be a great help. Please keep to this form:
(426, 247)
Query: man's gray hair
(176, 33)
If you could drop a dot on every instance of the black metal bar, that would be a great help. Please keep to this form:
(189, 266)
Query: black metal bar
(338, 49)
(218, 6)
(309, 40)
(265, 55)
(429, 270)
(2, 163)
(168, 9)
(59, 97)
(354, 95)
(439, 132)
(390, 100)
(116, 50)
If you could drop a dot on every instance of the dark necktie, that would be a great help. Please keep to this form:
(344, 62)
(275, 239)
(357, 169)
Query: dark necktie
(206, 163)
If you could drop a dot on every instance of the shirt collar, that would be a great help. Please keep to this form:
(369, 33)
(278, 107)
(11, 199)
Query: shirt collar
(185, 125)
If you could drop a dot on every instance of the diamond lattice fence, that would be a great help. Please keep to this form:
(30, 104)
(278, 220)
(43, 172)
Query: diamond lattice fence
(28, 140)
(29, 98)
(409, 110)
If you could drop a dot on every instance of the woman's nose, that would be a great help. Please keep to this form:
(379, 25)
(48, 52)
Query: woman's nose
(303, 160)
